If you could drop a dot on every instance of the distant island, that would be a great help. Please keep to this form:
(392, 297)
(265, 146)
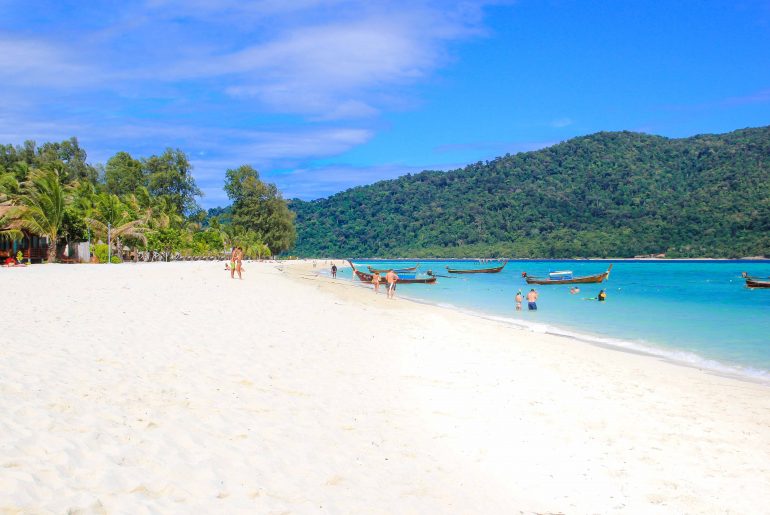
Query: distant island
(609, 194)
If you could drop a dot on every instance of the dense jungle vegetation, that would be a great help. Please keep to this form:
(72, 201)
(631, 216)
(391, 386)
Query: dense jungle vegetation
(610, 194)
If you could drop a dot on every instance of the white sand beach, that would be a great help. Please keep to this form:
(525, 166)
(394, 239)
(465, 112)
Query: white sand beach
(170, 388)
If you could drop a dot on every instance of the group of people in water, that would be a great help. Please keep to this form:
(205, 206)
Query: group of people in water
(532, 298)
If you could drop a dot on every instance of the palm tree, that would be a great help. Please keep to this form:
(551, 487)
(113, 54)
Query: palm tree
(252, 244)
(112, 220)
(8, 186)
(39, 207)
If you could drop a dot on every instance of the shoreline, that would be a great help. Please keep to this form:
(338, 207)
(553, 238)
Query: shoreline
(719, 368)
(689, 359)
(184, 390)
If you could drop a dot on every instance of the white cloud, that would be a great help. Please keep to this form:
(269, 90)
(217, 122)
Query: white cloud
(332, 70)
(271, 83)
(31, 62)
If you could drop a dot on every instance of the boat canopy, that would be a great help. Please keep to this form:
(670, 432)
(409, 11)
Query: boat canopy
(561, 275)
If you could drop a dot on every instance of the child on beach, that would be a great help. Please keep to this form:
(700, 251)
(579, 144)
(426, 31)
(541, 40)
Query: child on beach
(376, 281)
(519, 300)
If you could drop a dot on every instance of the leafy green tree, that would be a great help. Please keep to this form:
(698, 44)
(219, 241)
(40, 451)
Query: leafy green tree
(123, 174)
(170, 175)
(207, 242)
(165, 241)
(258, 207)
(67, 157)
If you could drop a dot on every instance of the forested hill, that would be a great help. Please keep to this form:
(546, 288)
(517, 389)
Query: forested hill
(610, 194)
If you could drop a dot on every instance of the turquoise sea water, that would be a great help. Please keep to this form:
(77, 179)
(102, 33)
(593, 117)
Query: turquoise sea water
(695, 312)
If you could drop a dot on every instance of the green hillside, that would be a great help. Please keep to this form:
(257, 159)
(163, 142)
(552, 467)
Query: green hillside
(610, 194)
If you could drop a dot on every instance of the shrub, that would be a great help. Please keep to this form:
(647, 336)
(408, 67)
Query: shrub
(100, 251)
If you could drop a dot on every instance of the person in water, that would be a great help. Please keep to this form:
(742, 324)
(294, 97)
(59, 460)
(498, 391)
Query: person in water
(574, 290)
(602, 296)
(334, 270)
(519, 300)
(376, 281)
(532, 300)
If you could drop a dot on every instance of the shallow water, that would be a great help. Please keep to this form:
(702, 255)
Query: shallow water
(698, 312)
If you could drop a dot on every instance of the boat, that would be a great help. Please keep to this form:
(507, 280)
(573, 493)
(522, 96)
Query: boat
(367, 278)
(477, 270)
(567, 277)
(397, 270)
(755, 282)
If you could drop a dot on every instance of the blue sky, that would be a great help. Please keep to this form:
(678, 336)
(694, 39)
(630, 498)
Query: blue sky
(322, 95)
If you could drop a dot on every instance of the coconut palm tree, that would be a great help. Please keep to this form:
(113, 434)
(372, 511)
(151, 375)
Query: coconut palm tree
(252, 244)
(114, 221)
(8, 186)
(39, 207)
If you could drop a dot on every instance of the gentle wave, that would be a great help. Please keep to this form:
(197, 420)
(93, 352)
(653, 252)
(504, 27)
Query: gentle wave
(683, 358)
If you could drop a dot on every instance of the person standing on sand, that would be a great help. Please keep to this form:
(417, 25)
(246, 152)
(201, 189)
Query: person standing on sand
(391, 279)
(532, 300)
(232, 262)
(334, 270)
(376, 281)
(238, 263)
(519, 300)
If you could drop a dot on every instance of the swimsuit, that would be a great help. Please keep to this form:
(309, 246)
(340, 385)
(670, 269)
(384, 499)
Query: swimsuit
(532, 306)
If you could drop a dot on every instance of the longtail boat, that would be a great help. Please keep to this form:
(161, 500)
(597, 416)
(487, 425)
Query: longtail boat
(566, 277)
(397, 270)
(476, 270)
(367, 278)
(755, 282)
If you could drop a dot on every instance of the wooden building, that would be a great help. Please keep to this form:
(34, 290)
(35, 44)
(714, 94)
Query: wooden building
(32, 246)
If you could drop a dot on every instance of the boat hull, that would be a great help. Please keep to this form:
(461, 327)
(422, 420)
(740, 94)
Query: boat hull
(755, 283)
(477, 271)
(586, 279)
(396, 270)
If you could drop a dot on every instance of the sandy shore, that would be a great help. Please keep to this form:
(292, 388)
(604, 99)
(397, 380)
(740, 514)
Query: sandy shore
(169, 388)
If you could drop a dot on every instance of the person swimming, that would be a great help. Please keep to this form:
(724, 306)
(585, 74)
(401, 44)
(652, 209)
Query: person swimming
(602, 296)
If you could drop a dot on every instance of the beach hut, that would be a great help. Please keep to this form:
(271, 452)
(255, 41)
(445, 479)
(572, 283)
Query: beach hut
(32, 246)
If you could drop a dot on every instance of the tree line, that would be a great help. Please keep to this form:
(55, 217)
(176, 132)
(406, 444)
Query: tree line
(610, 194)
(148, 204)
